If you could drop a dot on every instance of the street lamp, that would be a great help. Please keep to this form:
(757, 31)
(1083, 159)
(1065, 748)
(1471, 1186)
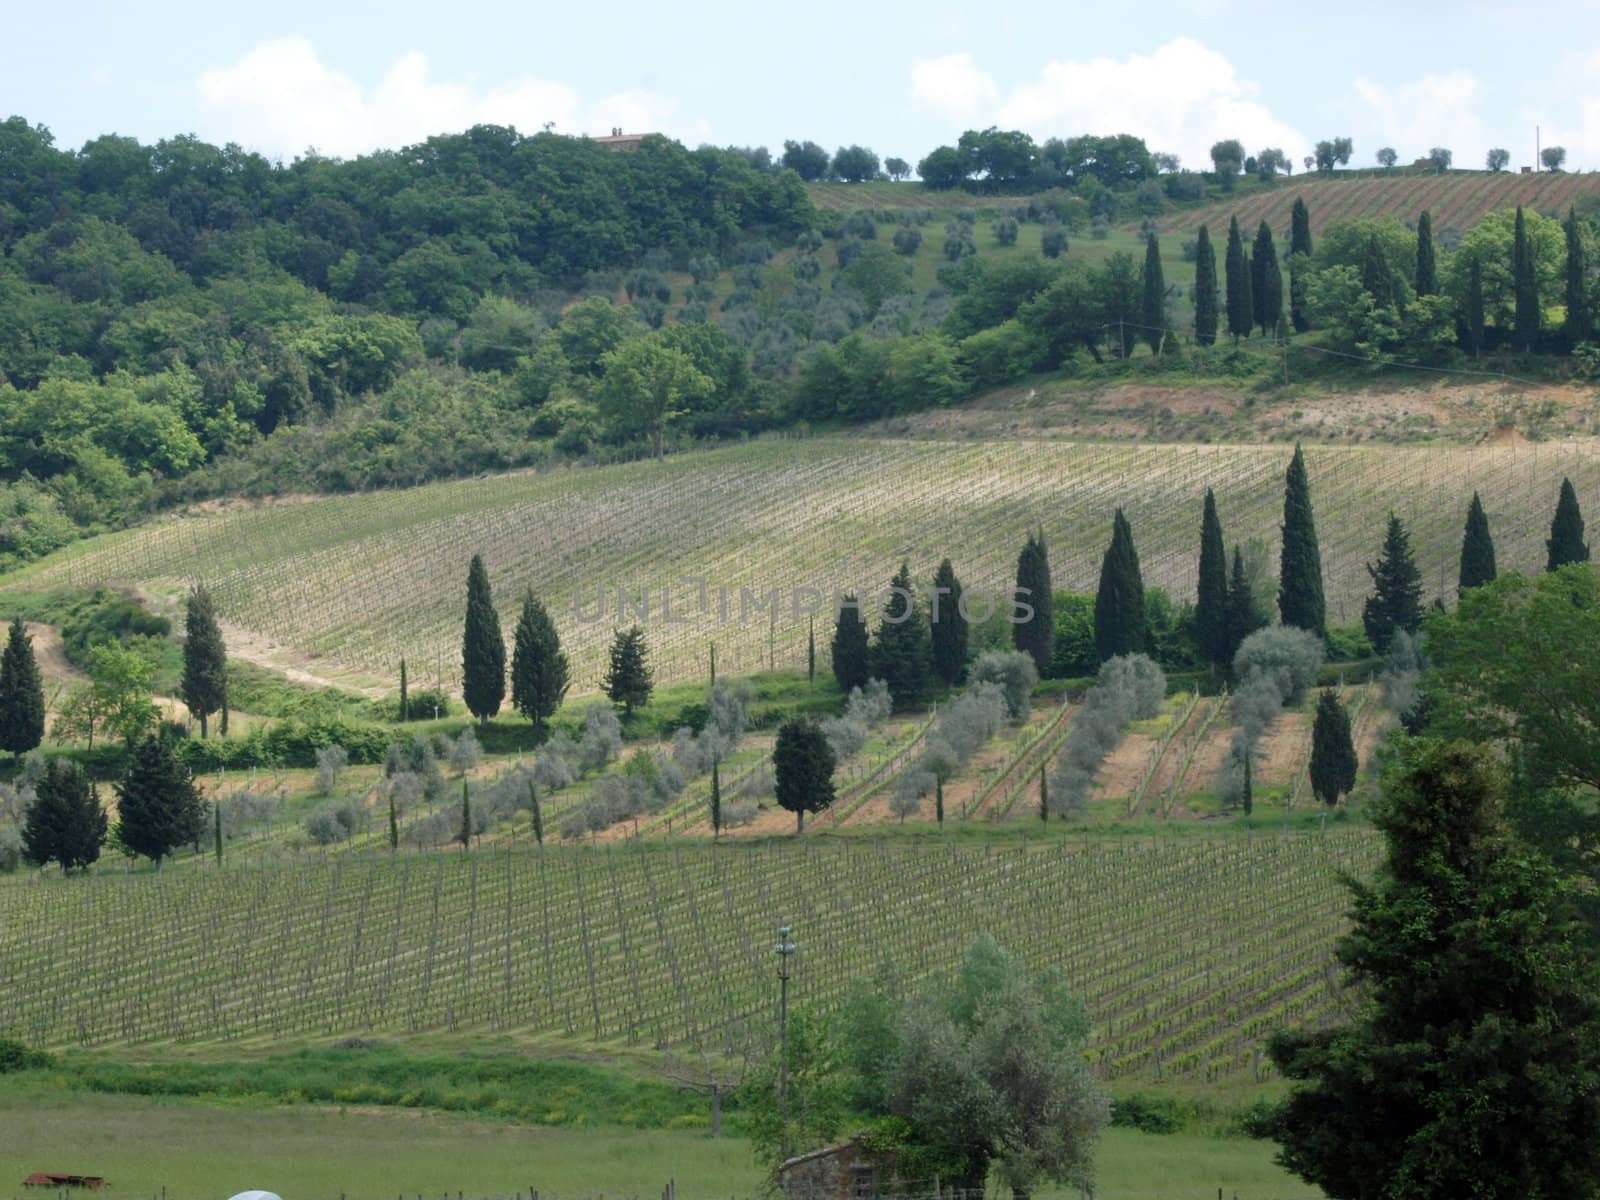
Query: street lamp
(784, 948)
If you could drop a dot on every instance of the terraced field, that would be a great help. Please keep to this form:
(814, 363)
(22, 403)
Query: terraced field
(1187, 950)
(356, 582)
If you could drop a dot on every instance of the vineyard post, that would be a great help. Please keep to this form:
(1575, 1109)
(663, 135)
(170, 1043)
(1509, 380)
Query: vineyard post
(784, 948)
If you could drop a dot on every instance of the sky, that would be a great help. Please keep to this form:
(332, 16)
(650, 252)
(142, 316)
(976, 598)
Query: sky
(349, 76)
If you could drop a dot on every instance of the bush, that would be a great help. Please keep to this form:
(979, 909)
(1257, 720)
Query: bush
(10, 849)
(1288, 656)
(1013, 672)
(1148, 1113)
(333, 822)
(14, 1056)
(426, 704)
(330, 761)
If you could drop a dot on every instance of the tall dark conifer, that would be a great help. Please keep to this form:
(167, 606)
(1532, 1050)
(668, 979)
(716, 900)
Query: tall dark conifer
(949, 628)
(1211, 600)
(1120, 623)
(628, 680)
(1236, 267)
(405, 698)
(1300, 597)
(716, 798)
(852, 666)
(483, 648)
(1333, 750)
(1579, 326)
(1153, 297)
(802, 768)
(1378, 278)
(1036, 636)
(1266, 280)
(205, 659)
(539, 673)
(1525, 282)
(1396, 600)
(902, 653)
(1566, 544)
(1475, 318)
(1427, 274)
(1205, 289)
(1243, 617)
(158, 806)
(1299, 264)
(21, 694)
(1477, 548)
(65, 823)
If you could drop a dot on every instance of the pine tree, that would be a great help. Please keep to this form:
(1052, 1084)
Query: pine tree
(1299, 264)
(1037, 635)
(483, 648)
(1580, 318)
(716, 798)
(1477, 548)
(902, 653)
(158, 805)
(1475, 318)
(1153, 308)
(802, 766)
(627, 679)
(65, 823)
(1333, 750)
(1241, 308)
(1396, 600)
(1525, 281)
(536, 813)
(1300, 599)
(405, 699)
(1566, 544)
(539, 674)
(205, 658)
(1205, 289)
(1120, 624)
(1211, 600)
(1266, 280)
(949, 628)
(1427, 278)
(851, 662)
(21, 694)
(465, 836)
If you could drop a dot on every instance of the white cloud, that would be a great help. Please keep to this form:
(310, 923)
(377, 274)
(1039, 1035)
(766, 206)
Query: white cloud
(1436, 110)
(1180, 98)
(281, 99)
(1574, 121)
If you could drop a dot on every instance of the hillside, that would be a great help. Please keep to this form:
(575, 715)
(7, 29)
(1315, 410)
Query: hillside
(345, 586)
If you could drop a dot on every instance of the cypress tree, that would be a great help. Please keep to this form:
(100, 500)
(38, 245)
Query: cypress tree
(713, 680)
(949, 628)
(483, 648)
(1300, 599)
(1035, 636)
(1243, 619)
(902, 653)
(1396, 600)
(216, 827)
(205, 658)
(1044, 795)
(1427, 278)
(1266, 280)
(1153, 309)
(1211, 600)
(65, 824)
(405, 700)
(1241, 309)
(1477, 548)
(1378, 278)
(1247, 794)
(394, 824)
(627, 680)
(851, 663)
(716, 798)
(539, 674)
(1299, 261)
(802, 767)
(811, 651)
(1525, 325)
(1119, 616)
(1205, 289)
(1566, 544)
(1333, 751)
(1475, 319)
(465, 836)
(1580, 321)
(158, 805)
(21, 694)
(536, 813)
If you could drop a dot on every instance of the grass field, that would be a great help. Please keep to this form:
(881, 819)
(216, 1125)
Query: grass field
(342, 587)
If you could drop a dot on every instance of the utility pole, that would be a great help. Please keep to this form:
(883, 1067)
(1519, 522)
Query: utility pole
(784, 948)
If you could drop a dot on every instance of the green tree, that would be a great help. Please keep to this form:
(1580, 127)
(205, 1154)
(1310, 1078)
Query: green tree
(205, 658)
(1266, 280)
(1299, 263)
(65, 823)
(1378, 279)
(1153, 303)
(852, 665)
(1300, 598)
(117, 700)
(158, 805)
(716, 798)
(1333, 750)
(539, 673)
(483, 648)
(1120, 622)
(949, 629)
(1580, 318)
(902, 652)
(627, 679)
(1525, 283)
(1477, 548)
(1211, 600)
(649, 387)
(1475, 312)
(1236, 268)
(802, 767)
(535, 813)
(1205, 289)
(21, 694)
(1472, 1066)
(404, 708)
(1396, 600)
(1036, 635)
(1244, 608)
(464, 835)
(1566, 544)
(1427, 275)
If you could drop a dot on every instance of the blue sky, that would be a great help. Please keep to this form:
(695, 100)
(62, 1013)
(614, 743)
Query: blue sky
(901, 78)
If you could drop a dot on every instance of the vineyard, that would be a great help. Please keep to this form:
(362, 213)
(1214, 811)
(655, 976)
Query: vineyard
(1188, 951)
(723, 545)
(1457, 198)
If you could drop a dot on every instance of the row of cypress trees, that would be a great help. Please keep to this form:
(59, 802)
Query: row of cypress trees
(540, 675)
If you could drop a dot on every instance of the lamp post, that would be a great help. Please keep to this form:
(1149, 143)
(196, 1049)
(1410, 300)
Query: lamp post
(784, 948)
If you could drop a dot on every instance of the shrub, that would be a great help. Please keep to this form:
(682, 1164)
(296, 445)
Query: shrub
(1013, 672)
(10, 849)
(1288, 656)
(333, 822)
(14, 1056)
